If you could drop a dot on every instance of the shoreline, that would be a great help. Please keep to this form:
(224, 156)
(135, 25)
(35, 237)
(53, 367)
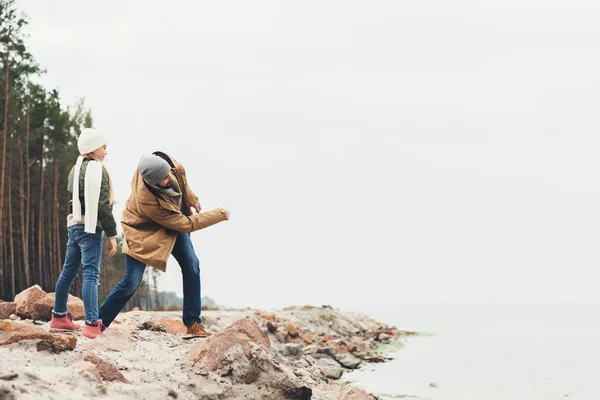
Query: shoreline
(296, 352)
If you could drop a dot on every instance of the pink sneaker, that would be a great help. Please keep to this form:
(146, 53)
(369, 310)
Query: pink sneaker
(93, 331)
(64, 323)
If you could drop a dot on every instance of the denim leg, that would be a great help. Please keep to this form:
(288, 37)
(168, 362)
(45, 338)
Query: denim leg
(190, 269)
(91, 250)
(120, 295)
(68, 273)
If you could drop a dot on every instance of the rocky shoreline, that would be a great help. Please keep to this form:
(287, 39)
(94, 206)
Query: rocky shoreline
(294, 353)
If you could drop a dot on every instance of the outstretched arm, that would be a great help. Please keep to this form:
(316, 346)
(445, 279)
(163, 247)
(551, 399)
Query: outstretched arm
(182, 223)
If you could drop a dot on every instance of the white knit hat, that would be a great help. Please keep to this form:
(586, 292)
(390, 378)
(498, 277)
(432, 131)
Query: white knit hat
(90, 140)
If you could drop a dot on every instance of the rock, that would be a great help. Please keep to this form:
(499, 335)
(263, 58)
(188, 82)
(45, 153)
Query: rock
(293, 329)
(352, 393)
(13, 332)
(266, 315)
(27, 299)
(110, 340)
(42, 309)
(14, 317)
(356, 340)
(105, 370)
(242, 332)
(330, 368)
(152, 326)
(173, 326)
(326, 338)
(272, 328)
(57, 345)
(330, 351)
(309, 338)
(310, 349)
(383, 337)
(348, 361)
(9, 377)
(374, 358)
(7, 394)
(433, 385)
(7, 309)
(172, 393)
(341, 348)
(291, 349)
(241, 354)
(282, 337)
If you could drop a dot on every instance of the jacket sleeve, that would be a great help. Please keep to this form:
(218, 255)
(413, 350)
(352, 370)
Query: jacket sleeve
(105, 215)
(182, 223)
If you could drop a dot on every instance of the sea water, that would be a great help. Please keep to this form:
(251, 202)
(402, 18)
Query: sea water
(492, 352)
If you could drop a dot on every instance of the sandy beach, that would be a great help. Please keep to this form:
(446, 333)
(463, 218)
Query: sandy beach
(298, 352)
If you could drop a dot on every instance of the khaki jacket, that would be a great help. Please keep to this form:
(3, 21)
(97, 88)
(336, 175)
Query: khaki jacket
(151, 223)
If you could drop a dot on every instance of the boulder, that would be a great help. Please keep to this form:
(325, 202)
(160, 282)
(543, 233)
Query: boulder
(291, 349)
(310, 349)
(309, 338)
(348, 361)
(330, 351)
(7, 309)
(282, 337)
(241, 353)
(27, 299)
(13, 332)
(42, 309)
(104, 370)
(293, 329)
(330, 368)
(242, 332)
(270, 327)
(341, 348)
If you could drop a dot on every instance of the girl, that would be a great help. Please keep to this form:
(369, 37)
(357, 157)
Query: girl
(92, 202)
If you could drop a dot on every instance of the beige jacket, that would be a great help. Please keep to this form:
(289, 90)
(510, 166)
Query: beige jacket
(151, 223)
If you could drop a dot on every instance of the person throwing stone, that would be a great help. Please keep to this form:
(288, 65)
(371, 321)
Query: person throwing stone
(157, 221)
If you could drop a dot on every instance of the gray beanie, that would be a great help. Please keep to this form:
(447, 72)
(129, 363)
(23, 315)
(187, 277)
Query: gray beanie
(153, 169)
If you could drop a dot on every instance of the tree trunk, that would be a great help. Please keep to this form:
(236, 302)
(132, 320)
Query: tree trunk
(3, 170)
(57, 259)
(12, 243)
(40, 226)
(28, 209)
(24, 211)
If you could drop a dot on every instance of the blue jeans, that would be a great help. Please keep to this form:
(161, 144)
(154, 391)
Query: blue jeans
(83, 249)
(184, 253)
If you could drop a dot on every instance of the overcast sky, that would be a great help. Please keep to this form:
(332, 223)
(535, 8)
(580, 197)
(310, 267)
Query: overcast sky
(371, 152)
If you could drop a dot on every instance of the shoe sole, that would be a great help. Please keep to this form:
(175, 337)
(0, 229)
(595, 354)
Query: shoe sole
(57, 330)
(195, 337)
(90, 337)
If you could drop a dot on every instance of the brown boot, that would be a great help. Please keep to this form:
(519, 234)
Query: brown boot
(196, 329)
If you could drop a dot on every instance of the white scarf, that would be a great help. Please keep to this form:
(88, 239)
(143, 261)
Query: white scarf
(92, 186)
